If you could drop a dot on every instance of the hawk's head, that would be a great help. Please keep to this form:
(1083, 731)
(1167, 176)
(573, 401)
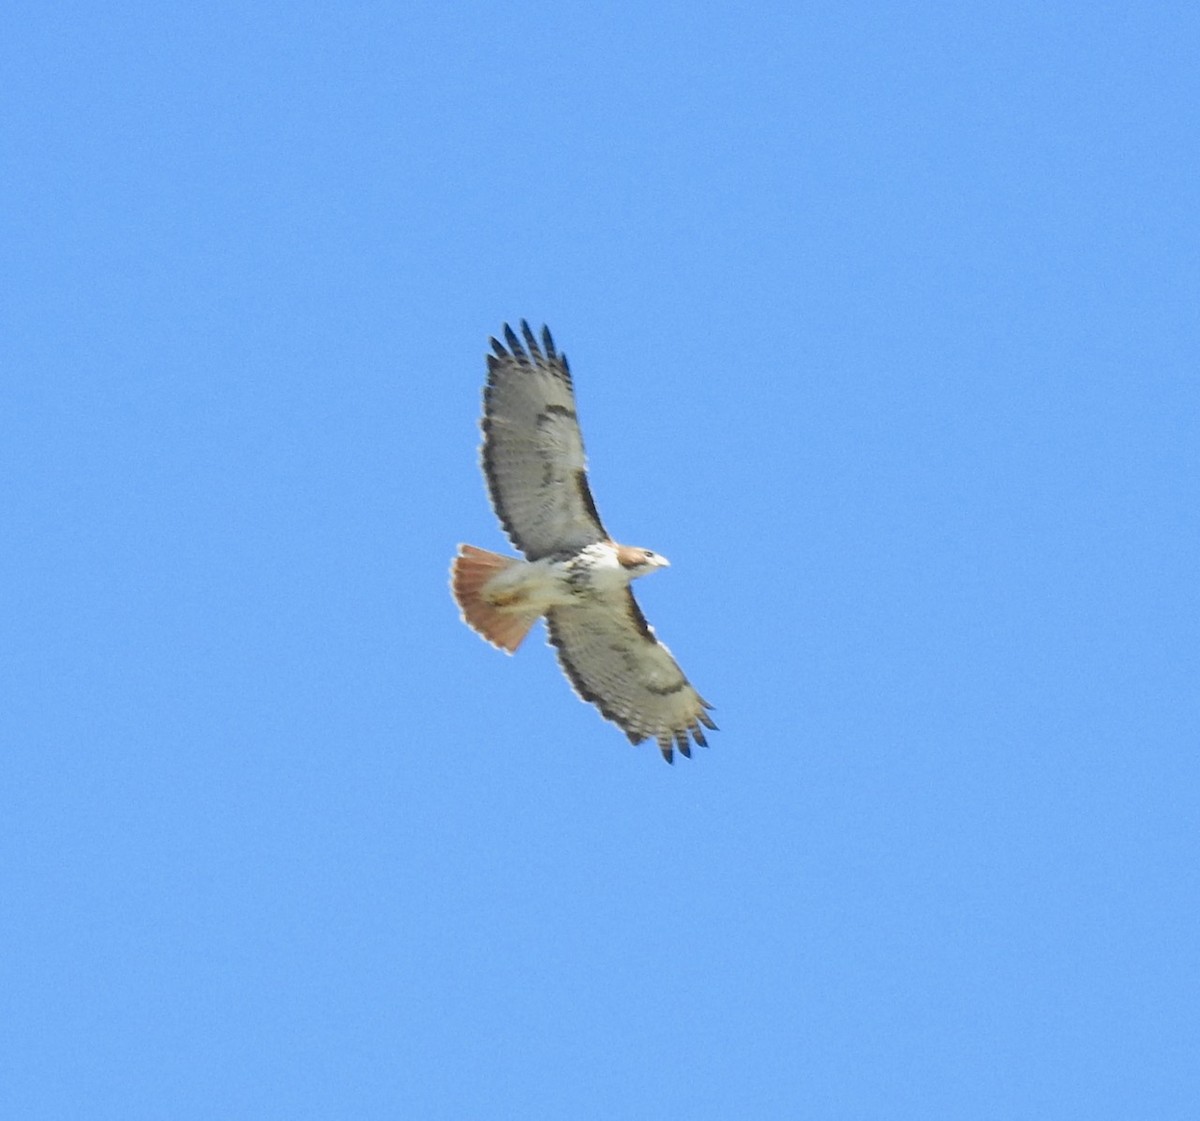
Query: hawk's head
(637, 562)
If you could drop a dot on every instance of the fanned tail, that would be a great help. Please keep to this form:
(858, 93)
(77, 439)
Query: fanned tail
(470, 571)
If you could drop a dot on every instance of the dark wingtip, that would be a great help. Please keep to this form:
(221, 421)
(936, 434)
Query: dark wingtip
(530, 339)
(514, 344)
(548, 341)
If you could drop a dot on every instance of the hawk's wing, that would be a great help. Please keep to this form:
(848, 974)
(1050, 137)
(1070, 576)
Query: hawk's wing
(532, 451)
(613, 659)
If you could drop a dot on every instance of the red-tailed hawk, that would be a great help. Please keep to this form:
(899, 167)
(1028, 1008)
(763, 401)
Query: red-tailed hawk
(574, 573)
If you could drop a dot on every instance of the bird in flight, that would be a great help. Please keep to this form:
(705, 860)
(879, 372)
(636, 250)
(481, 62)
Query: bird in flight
(574, 574)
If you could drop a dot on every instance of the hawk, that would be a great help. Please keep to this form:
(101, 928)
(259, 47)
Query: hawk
(574, 574)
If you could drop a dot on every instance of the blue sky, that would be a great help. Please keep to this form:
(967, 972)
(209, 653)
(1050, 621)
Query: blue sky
(884, 322)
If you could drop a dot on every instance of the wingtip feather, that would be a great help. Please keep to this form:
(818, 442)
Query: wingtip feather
(531, 340)
(514, 344)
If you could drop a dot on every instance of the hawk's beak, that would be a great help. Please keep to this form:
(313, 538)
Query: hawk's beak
(663, 562)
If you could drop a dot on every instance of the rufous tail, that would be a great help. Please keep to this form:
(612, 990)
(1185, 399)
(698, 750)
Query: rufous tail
(469, 572)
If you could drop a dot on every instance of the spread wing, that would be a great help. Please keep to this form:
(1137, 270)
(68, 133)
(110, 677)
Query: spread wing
(532, 450)
(613, 659)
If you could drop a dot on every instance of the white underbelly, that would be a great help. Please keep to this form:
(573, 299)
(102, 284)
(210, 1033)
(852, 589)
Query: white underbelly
(529, 586)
